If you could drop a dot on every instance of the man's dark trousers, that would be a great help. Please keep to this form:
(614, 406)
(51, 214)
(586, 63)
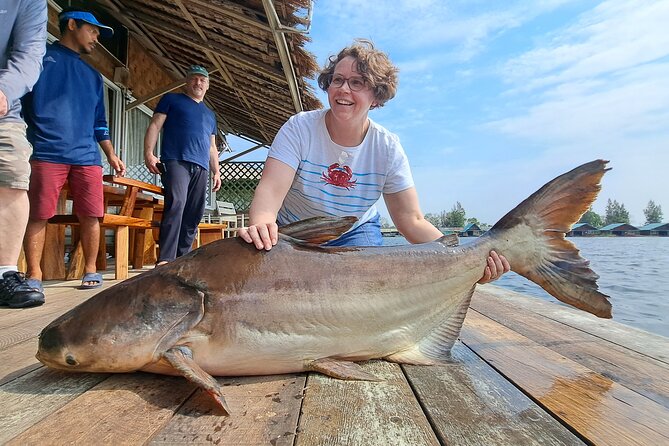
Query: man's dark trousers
(185, 186)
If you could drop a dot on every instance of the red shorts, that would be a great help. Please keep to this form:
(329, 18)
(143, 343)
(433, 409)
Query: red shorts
(47, 180)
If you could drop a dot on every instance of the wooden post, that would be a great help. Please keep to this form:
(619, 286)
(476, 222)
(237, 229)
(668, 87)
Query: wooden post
(53, 254)
(121, 239)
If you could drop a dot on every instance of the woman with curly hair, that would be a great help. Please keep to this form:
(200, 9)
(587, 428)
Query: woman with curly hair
(338, 162)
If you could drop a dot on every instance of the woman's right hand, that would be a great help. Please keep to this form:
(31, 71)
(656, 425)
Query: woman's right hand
(262, 235)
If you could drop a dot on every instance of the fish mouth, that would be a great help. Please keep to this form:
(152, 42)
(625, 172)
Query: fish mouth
(51, 351)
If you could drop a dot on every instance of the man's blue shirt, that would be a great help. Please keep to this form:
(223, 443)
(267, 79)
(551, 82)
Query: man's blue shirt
(187, 129)
(65, 112)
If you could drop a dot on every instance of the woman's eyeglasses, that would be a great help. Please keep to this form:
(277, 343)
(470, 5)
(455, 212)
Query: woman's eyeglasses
(355, 83)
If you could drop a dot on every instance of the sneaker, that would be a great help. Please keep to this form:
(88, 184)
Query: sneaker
(15, 292)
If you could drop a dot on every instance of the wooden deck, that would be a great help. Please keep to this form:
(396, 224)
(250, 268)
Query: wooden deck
(526, 372)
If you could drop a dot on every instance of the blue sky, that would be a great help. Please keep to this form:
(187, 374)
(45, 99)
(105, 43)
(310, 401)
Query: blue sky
(497, 98)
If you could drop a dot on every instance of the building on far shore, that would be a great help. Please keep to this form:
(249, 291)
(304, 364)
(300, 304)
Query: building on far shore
(582, 230)
(619, 229)
(470, 230)
(658, 229)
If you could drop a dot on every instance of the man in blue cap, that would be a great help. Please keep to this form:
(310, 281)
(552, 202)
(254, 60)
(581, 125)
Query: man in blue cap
(66, 121)
(188, 153)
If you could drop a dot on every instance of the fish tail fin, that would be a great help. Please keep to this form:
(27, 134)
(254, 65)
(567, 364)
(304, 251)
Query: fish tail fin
(548, 259)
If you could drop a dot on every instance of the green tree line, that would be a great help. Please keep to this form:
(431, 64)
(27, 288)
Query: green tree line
(615, 212)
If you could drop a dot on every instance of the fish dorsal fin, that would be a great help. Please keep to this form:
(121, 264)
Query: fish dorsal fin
(318, 230)
(449, 240)
(435, 348)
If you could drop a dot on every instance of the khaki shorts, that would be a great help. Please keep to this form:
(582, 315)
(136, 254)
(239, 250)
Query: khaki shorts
(15, 151)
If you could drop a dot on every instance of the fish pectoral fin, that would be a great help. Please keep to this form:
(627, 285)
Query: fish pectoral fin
(318, 230)
(181, 358)
(414, 356)
(435, 347)
(336, 368)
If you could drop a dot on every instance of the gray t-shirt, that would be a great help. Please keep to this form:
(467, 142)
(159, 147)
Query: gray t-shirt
(22, 46)
(333, 180)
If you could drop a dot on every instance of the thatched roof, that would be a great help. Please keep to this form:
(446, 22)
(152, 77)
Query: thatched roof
(259, 65)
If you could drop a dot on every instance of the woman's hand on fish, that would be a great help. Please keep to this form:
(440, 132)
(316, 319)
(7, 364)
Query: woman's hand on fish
(497, 265)
(262, 235)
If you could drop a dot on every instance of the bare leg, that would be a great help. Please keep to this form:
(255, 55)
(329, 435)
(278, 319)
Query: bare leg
(90, 242)
(33, 245)
(13, 219)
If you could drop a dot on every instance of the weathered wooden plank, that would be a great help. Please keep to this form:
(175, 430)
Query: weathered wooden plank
(595, 407)
(336, 412)
(18, 360)
(264, 409)
(33, 397)
(26, 326)
(59, 297)
(635, 371)
(649, 344)
(19, 325)
(123, 409)
(469, 403)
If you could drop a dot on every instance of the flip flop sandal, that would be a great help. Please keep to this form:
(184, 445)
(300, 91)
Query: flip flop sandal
(91, 277)
(35, 284)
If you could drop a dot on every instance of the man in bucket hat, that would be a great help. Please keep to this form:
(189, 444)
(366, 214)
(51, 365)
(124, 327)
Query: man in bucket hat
(66, 121)
(188, 153)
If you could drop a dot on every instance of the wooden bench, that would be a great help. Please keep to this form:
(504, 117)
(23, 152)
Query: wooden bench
(121, 225)
(209, 232)
(140, 209)
(206, 232)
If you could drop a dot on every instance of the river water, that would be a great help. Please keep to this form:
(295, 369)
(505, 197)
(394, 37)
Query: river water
(634, 272)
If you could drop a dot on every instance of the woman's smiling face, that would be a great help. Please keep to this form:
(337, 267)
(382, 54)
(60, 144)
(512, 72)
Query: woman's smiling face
(345, 103)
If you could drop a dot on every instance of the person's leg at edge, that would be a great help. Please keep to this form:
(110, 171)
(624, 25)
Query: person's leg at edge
(13, 219)
(88, 198)
(194, 209)
(175, 182)
(14, 207)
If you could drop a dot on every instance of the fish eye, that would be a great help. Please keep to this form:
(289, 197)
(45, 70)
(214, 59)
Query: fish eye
(70, 359)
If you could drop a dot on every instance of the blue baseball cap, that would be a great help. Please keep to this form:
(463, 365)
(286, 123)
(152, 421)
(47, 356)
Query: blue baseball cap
(198, 69)
(105, 31)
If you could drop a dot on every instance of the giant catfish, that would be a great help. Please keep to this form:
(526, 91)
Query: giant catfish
(228, 309)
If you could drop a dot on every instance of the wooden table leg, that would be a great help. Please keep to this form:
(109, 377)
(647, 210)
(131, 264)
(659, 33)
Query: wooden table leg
(53, 255)
(101, 260)
(139, 242)
(121, 252)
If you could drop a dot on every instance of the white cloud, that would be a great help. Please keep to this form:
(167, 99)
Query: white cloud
(461, 29)
(633, 102)
(616, 35)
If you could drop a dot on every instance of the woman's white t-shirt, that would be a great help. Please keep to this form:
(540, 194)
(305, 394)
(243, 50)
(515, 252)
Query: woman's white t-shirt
(333, 180)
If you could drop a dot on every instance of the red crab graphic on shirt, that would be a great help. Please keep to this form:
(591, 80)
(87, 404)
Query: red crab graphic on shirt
(339, 176)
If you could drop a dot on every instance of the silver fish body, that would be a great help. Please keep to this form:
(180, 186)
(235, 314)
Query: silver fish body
(229, 309)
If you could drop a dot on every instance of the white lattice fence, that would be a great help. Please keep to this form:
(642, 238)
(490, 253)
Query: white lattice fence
(239, 182)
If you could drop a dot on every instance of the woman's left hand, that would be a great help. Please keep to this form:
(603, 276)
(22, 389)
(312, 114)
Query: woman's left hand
(497, 265)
